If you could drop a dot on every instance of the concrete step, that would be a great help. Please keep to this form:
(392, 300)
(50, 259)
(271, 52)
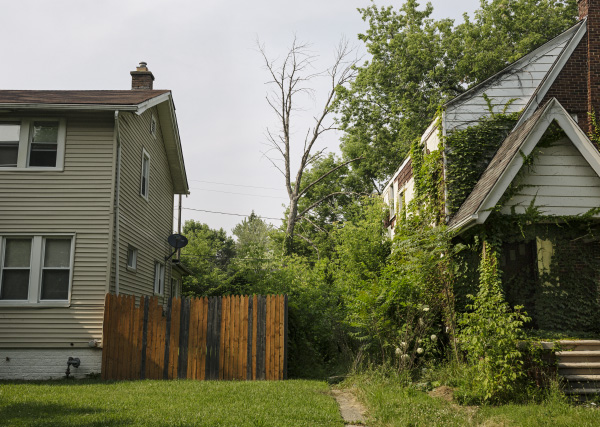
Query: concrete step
(583, 391)
(577, 356)
(582, 378)
(582, 368)
(580, 345)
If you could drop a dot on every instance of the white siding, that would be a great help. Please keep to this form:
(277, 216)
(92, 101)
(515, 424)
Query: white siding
(76, 200)
(561, 181)
(518, 84)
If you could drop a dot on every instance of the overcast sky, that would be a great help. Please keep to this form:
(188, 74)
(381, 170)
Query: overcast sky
(205, 52)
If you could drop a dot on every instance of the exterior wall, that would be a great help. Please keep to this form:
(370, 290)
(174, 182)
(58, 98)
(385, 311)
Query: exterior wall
(517, 84)
(143, 224)
(561, 181)
(38, 364)
(76, 200)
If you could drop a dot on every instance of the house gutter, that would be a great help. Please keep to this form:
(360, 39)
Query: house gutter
(117, 185)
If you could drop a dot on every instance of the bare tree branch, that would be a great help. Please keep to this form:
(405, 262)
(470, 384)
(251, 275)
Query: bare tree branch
(325, 175)
(322, 199)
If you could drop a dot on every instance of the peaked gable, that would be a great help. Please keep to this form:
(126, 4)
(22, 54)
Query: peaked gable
(508, 161)
(517, 83)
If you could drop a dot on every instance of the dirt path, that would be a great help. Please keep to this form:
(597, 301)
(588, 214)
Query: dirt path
(353, 412)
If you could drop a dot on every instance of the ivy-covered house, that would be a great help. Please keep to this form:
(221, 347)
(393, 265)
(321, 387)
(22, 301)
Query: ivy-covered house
(516, 160)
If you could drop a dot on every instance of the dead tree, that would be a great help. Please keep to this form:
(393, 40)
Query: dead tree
(291, 78)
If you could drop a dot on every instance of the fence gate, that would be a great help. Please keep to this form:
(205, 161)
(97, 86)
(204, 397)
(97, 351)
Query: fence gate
(235, 337)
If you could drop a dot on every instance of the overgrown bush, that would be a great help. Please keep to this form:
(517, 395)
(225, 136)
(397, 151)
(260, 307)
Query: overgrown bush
(489, 335)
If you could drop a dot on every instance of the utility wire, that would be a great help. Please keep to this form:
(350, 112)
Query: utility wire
(237, 185)
(228, 213)
(241, 194)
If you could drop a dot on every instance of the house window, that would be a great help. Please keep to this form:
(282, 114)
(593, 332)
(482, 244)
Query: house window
(145, 180)
(132, 254)
(391, 201)
(36, 269)
(9, 143)
(33, 144)
(153, 126)
(159, 278)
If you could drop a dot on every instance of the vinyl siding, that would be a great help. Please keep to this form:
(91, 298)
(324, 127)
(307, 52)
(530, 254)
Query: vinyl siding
(561, 181)
(143, 224)
(76, 201)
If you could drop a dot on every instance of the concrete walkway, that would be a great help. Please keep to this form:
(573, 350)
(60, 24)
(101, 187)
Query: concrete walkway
(353, 412)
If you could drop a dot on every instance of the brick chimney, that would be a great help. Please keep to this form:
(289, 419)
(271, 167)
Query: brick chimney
(591, 10)
(141, 78)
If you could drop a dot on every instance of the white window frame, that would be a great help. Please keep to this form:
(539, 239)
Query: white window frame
(134, 251)
(145, 184)
(159, 278)
(25, 142)
(36, 267)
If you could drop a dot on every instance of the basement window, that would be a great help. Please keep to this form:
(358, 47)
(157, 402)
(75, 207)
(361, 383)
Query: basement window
(132, 254)
(34, 144)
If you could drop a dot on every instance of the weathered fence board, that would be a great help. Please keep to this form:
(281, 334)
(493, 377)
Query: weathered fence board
(234, 337)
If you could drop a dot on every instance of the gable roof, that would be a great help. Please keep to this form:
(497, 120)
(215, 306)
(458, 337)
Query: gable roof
(528, 77)
(507, 162)
(135, 101)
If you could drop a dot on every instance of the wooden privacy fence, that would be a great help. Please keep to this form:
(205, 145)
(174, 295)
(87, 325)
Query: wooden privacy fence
(235, 337)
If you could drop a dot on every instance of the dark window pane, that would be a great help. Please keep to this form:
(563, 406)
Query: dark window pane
(55, 284)
(9, 152)
(57, 253)
(17, 253)
(15, 285)
(45, 132)
(42, 155)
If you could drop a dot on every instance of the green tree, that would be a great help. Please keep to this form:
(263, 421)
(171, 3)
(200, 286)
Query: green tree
(208, 255)
(418, 63)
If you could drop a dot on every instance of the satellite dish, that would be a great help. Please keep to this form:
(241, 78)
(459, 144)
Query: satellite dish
(177, 241)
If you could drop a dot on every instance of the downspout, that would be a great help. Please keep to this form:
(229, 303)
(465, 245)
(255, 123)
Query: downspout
(117, 185)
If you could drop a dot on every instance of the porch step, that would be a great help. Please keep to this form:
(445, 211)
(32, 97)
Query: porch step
(579, 365)
(583, 368)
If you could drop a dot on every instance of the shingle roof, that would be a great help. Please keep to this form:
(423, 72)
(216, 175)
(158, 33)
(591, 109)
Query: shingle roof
(84, 97)
(507, 151)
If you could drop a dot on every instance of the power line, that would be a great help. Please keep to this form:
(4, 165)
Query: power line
(241, 194)
(229, 213)
(237, 185)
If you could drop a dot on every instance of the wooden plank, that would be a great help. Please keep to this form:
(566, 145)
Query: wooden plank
(281, 334)
(184, 339)
(244, 349)
(204, 330)
(268, 324)
(222, 339)
(218, 333)
(254, 334)
(225, 337)
(105, 335)
(149, 339)
(174, 338)
(262, 321)
(209, 338)
(155, 337)
(285, 337)
(139, 339)
(231, 338)
(192, 340)
(131, 339)
(249, 340)
(276, 347)
(144, 350)
(166, 361)
(121, 345)
(273, 331)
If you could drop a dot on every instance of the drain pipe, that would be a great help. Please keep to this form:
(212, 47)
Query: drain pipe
(117, 219)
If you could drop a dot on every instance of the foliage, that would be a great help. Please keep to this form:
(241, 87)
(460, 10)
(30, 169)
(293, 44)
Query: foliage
(469, 151)
(208, 255)
(162, 403)
(417, 63)
(489, 335)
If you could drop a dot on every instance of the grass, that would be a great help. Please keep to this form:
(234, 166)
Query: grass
(392, 404)
(159, 403)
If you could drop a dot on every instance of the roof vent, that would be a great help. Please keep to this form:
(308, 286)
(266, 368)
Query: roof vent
(141, 78)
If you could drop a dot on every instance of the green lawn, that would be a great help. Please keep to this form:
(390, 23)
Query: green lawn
(391, 404)
(160, 403)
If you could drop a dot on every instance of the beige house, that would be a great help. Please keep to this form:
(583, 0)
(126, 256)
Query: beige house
(87, 180)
